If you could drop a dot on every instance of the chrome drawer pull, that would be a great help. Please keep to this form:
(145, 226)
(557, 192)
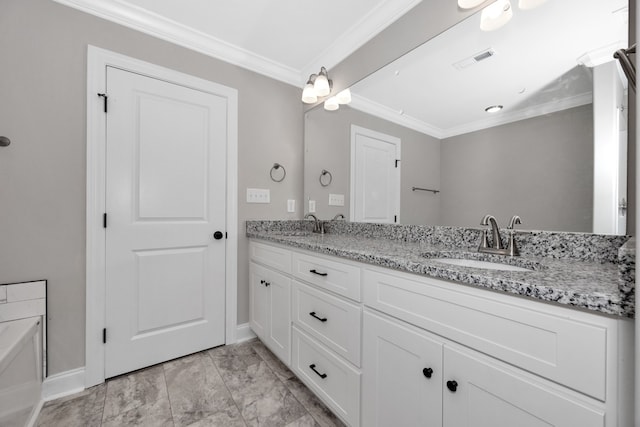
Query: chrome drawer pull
(319, 274)
(313, 314)
(313, 368)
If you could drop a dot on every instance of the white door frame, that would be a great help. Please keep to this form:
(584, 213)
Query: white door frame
(97, 61)
(358, 130)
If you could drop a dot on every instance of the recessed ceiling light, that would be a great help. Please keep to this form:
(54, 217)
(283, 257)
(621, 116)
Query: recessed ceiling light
(493, 109)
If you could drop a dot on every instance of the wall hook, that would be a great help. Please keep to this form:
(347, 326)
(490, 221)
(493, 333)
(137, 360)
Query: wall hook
(4, 141)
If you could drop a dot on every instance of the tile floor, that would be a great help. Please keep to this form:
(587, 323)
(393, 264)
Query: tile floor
(237, 385)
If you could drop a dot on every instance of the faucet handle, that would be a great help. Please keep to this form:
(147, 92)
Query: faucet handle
(512, 248)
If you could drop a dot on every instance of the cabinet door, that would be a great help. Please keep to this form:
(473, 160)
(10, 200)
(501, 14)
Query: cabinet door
(489, 394)
(401, 375)
(279, 338)
(258, 300)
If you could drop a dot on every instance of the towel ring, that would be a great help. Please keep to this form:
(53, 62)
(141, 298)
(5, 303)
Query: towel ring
(326, 181)
(275, 167)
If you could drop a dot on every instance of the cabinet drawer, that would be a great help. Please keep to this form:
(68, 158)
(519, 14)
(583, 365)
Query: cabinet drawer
(273, 256)
(338, 277)
(332, 379)
(541, 341)
(332, 320)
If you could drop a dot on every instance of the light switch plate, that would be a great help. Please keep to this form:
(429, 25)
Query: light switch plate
(291, 205)
(258, 195)
(336, 199)
(312, 206)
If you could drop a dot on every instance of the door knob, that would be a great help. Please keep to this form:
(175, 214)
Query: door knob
(218, 235)
(452, 385)
(427, 372)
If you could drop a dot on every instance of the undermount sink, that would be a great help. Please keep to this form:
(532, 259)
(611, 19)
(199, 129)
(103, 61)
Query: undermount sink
(474, 263)
(483, 260)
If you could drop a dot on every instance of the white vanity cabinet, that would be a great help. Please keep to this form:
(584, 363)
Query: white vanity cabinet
(307, 310)
(497, 360)
(387, 348)
(270, 300)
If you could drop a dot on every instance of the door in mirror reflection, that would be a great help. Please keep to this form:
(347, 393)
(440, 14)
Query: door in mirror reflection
(375, 176)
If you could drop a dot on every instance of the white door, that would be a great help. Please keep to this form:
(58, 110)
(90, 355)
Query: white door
(165, 181)
(375, 176)
(401, 375)
(621, 224)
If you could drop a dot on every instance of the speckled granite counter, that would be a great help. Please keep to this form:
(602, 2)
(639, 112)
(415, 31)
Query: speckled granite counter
(576, 276)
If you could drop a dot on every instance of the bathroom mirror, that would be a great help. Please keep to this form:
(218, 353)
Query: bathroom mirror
(555, 154)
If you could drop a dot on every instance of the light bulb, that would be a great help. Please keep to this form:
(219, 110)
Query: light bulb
(309, 94)
(344, 97)
(331, 104)
(496, 15)
(321, 85)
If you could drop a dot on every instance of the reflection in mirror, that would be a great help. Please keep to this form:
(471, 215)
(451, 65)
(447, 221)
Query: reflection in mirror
(555, 154)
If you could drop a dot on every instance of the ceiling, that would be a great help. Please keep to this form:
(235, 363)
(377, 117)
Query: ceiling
(283, 39)
(535, 68)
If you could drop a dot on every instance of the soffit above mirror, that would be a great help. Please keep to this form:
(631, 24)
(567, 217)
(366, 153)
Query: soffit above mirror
(443, 87)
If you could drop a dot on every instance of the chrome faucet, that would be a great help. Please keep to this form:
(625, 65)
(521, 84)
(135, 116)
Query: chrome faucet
(318, 226)
(495, 233)
(496, 244)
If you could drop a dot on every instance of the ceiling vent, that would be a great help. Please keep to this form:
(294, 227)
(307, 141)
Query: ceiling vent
(473, 60)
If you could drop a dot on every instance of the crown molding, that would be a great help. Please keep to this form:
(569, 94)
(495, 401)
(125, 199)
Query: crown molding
(166, 29)
(361, 32)
(382, 111)
(528, 113)
(367, 106)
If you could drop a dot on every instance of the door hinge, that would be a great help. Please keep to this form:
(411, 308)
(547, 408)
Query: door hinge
(104, 96)
(395, 218)
(397, 162)
(226, 236)
(104, 335)
(104, 220)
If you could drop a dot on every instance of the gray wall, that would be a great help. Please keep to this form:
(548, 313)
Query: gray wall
(537, 168)
(43, 48)
(328, 146)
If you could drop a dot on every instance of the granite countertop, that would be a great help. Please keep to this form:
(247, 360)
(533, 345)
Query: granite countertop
(602, 287)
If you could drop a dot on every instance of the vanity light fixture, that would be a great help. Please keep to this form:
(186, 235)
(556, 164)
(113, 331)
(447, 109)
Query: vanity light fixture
(493, 108)
(319, 85)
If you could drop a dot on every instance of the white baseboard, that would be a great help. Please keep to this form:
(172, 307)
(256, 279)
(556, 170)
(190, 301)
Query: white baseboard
(244, 333)
(34, 415)
(63, 384)
(70, 382)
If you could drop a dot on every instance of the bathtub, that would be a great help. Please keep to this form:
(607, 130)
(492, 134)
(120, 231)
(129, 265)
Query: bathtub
(20, 370)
